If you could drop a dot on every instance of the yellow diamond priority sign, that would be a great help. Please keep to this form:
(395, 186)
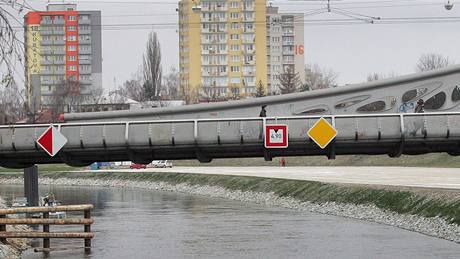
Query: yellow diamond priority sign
(322, 133)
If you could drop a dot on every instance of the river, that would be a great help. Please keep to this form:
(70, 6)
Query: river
(135, 223)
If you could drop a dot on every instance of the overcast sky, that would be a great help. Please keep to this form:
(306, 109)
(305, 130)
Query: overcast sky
(353, 51)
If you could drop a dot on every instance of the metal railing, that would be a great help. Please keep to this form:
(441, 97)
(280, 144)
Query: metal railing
(46, 221)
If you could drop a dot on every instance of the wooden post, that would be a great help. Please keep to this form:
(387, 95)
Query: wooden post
(46, 228)
(87, 230)
(3, 228)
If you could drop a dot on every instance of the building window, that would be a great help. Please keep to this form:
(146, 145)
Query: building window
(235, 36)
(235, 26)
(234, 15)
(72, 28)
(72, 58)
(72, 68)
(72, 38)
(275, 39)
(72, 48)
(235, 58)
(72, 18)
(234, 4)
(235, 68)
(235, 47)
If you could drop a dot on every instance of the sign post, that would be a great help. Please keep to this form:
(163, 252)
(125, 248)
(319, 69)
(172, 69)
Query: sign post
(52, 141)
(276, 136)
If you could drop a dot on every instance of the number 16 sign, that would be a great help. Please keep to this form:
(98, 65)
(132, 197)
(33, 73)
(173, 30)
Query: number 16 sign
(276, 136)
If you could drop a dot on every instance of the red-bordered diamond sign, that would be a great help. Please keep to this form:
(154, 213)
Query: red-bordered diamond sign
(52, 141)
(276, 136)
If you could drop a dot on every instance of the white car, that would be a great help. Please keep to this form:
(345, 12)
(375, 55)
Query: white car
(162, 164)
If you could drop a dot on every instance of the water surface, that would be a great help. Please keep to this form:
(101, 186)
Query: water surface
(134, 223)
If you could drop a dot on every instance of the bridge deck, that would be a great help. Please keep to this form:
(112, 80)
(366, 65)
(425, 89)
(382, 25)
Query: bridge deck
(205, 139)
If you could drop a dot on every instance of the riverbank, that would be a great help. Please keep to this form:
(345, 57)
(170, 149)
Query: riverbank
(16, 246)
(433, 212)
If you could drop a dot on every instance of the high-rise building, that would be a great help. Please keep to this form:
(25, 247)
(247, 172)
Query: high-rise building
(222, 45)
(285, 46)
(62, 44)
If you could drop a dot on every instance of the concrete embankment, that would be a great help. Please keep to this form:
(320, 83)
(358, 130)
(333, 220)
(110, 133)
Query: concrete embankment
(15, 246)
(432, 212)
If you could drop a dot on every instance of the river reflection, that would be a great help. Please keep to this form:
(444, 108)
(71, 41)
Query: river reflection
(133, 223)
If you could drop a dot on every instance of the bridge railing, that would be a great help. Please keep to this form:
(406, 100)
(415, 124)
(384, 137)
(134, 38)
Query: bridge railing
(233, 130)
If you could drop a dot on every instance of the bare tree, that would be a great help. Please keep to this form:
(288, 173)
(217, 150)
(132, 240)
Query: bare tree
(260, 90)
(11, 48)
(379, 76)
(12, 104)
(431, 61)
(318, 78)
(66, 97)
(289, 81)
(133, 89)
(152, 68)
(171, 83)
(189, 94)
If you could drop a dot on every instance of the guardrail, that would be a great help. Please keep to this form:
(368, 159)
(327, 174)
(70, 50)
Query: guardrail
(87, 221)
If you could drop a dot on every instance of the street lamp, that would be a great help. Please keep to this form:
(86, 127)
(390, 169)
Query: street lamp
(448, 5)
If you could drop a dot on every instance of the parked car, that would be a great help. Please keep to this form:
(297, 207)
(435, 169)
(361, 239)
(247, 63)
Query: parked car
(137, 166)
(162, 164)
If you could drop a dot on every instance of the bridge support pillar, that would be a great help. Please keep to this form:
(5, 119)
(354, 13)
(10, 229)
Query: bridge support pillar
(31, 185)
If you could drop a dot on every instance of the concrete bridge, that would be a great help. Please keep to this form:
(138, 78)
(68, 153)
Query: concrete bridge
(206, 139)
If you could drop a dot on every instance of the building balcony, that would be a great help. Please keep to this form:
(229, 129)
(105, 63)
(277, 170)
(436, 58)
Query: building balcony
(84, 51)
(58, 32)
(59, 42)
(215, 63)
(80, 21)
(209, 30)
(46, 42)
(85, 72)
(213, 8)
(214, 52)
(46, 32)
(84, 41)
(213, 20)
(81, 32)
(205, 41)
(84, 62)
(46, 62)
(249, 73)
(52, 72)
(214, 74)
(85, 82)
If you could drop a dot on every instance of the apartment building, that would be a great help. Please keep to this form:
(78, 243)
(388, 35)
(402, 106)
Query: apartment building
(62, 44)
(222, 45)
(285, 46)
